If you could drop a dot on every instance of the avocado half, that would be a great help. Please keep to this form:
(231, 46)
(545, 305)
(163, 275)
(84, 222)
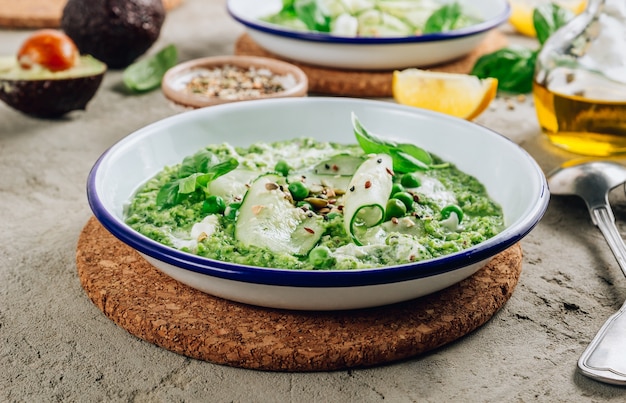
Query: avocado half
(114, 31)
(42, 93)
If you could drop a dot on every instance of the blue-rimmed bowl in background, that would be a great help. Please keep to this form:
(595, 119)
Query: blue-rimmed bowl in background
(511, 176)
(367, 53)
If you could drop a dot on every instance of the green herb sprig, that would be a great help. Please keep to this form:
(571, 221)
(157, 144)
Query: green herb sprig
(514, 66)
(444, 18)
(406, 157)
(146, 74)
(194, 174)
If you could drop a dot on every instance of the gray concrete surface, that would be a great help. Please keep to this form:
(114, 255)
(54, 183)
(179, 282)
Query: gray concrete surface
(55, 345)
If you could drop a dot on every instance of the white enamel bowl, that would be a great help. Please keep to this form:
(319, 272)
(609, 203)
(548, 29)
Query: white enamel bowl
(383, 53)
(510, 175)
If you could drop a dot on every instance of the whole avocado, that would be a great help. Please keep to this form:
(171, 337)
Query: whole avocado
(115, 32)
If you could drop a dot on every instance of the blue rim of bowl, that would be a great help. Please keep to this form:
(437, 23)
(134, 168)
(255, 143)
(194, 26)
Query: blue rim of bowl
(316, 278)
(327, 38)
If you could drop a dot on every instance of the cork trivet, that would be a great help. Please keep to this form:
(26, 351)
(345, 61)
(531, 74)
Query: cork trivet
(162, 311)
(357, 83)
(42, 13)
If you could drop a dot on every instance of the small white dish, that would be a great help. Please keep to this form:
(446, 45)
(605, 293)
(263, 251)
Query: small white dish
(365, 53)
(511, 176)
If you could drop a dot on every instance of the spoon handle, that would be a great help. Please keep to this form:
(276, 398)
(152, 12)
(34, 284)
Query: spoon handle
(605, 358)
(604, 219)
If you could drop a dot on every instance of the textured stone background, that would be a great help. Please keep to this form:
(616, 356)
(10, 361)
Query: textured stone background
(55, 345)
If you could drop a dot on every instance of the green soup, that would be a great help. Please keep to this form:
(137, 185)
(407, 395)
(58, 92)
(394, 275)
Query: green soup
(286, 205)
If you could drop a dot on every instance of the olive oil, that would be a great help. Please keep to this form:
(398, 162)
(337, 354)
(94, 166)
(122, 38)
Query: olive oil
(583, 113)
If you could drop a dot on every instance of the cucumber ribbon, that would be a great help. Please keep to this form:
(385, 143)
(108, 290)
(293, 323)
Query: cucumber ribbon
(367, 195)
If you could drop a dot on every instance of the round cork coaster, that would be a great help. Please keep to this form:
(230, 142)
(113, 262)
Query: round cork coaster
(162, 311)
(42, 13)
(357, 83)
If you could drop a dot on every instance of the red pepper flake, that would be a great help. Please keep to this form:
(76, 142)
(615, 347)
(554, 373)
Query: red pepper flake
(309, 230)
(335, 168)
(394, 220)
(368, 184)
(412, 258)
(390, 172)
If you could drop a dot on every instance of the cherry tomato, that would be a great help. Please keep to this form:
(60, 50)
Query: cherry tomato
(49, 48)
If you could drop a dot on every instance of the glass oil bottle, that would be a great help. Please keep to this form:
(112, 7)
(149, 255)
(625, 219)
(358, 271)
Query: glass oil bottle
(580, 82)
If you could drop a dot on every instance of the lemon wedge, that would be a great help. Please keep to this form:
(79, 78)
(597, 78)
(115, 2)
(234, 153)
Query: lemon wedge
(521, 17)
(459, 95)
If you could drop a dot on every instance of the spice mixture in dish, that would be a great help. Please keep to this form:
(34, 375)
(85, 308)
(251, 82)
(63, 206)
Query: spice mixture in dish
(304, 204)
(232, 82)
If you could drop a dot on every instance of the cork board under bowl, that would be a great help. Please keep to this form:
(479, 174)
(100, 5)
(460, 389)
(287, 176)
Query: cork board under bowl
(160, 310)
(375, 84)
(42, 13)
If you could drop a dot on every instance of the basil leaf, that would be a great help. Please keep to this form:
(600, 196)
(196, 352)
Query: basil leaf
(416, 152)
(146, 74)
(199, 162)
(216, 171)
(309, 13)
(168, 195)
(369, 143)
(443, 19)
(548, 18)
(187, 185)
(514, 67)
(406, 157)
(403, 162)
(174, 192)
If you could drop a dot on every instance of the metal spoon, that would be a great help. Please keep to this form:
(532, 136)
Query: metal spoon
(605, 358)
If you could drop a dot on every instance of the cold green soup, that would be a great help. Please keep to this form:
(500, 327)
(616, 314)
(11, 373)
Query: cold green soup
(310, 205)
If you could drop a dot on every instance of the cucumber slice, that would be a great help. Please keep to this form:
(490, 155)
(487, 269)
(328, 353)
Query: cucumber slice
(367, 195)
(340, 164)
(268, 219)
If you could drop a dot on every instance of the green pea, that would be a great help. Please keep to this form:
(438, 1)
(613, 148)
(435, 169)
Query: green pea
(298, 190)
(397, 188)
(410, 180)
(452, 208)
(395, 208)
(282, 167)
(406, 198)
(214, 205)
(321, 257)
